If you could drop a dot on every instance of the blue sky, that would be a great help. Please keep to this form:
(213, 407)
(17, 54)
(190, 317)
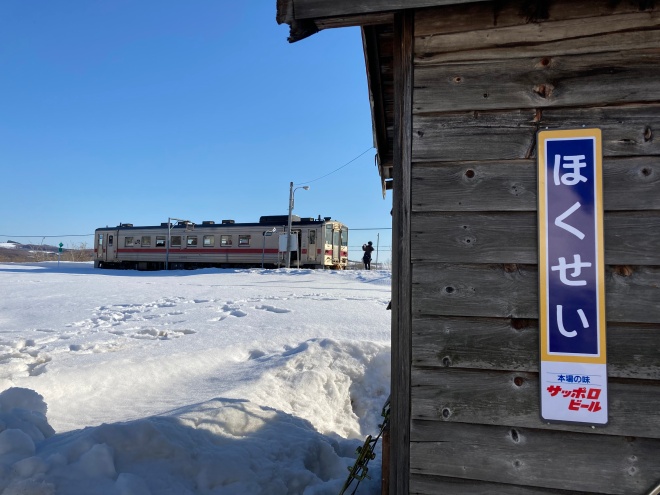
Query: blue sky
(136, 111)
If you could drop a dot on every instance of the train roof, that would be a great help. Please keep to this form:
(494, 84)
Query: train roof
(264, 221)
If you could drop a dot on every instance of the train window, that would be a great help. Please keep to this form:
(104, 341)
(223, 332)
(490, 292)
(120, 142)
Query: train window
(225, 240)
(160, 241)
(110, 239)
(328, 234)
(344, 236)
(312, 236)
(244, 240)
(209, 241)
(176, 241)
(191, 241)
(128, 241)
(100, 239)
(146, 241)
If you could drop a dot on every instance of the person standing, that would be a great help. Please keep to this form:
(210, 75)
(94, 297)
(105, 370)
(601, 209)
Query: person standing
(368, 248)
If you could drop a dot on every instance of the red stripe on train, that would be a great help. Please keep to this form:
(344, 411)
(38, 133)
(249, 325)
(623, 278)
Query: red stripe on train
(198, 251)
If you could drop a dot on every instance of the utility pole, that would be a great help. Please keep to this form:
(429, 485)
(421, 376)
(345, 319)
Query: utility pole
(288, 234)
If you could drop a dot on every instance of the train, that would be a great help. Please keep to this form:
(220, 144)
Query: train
(182, 244)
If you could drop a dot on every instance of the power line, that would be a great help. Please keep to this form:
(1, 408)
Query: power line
(372, 228)
(381, 246)
(336, 170)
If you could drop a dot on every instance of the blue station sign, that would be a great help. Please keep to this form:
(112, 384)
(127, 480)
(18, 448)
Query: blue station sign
(573, 371)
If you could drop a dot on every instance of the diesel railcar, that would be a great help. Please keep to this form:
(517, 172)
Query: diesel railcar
(315, 243)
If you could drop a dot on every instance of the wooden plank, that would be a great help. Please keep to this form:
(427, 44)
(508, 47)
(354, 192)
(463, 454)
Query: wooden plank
(513, 399)
(385, 462)
(476, 17)
(633, 350)
(433, 485)
(466, 18)
(476, 186)
(361, 20)
(543, 52)
(561, 81)
(631, 238)
(315, 9)
(539, 458)
(511, 291)
(474, 136)
(401, 265)
(629, 184)
(346, 13)
(475, 290)
(628, 130)
(544, 40)
(475, 237)
(370, 42)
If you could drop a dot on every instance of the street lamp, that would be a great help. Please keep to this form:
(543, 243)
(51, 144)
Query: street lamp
(288, 237)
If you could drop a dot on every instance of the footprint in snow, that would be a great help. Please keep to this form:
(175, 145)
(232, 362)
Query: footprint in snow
(231, 309)
(272, 309)
(184, 331)
(256, 354)
(21, 356)
(160, 334)
(150, 333)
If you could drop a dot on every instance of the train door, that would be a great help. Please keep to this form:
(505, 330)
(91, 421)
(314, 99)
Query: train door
(105, 247)
(311, 245)
(336, 245)
(332, 249)
(99, 244)
(111, 246)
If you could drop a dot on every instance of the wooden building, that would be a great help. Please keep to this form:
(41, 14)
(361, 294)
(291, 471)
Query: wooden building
(459, 90)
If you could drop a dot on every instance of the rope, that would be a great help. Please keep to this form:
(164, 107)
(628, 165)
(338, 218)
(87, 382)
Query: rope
(365, 454)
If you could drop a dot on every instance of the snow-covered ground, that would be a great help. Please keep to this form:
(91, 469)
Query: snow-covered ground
(189, 382)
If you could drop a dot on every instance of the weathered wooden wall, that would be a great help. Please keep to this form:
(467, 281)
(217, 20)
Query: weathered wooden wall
(487, 77)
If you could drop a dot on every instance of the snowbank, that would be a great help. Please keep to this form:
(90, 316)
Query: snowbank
(205, 382)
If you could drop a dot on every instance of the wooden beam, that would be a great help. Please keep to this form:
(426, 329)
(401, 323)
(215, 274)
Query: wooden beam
(630, 184)
(511, 291)
(538, 458)
(421, 484)
(315, 9)
(401, 264)
(355, 20)
(633, 349)
(372, 59)
(631, 31)
(631, 237)
(511, 398)
(595, 79)
(628, 130)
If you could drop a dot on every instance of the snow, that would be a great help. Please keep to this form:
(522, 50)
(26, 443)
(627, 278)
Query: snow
(189, 382)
